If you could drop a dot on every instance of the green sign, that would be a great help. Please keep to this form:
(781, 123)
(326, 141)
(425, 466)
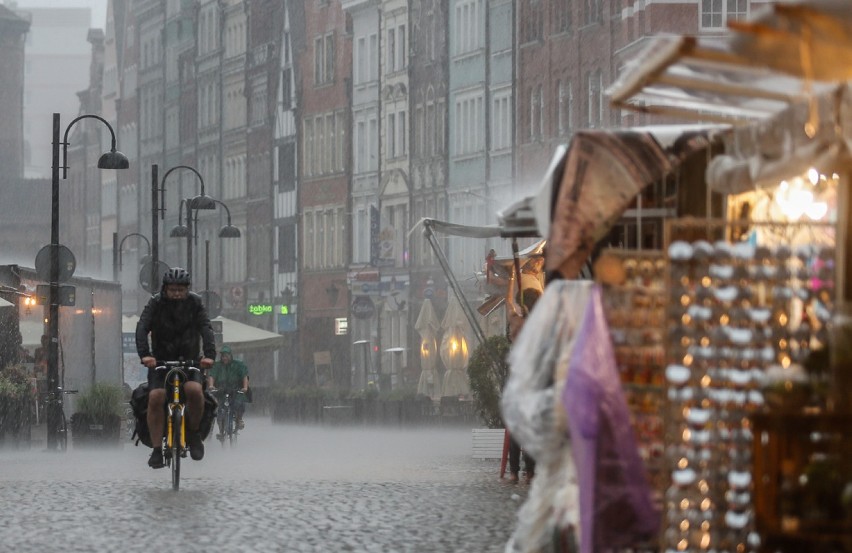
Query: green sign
(285, 309)
(259, 308)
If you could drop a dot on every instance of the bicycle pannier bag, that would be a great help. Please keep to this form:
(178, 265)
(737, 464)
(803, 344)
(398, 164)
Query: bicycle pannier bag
(210, 406)
(139, 404)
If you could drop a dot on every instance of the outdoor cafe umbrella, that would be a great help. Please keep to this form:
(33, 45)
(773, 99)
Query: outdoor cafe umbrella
(454, 350)
(428, 326)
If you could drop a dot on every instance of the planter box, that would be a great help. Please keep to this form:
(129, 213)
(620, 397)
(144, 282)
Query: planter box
(487, 443)
(86, 430)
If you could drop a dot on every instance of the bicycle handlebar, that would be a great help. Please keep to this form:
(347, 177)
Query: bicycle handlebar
(59, 390)
(168, 365)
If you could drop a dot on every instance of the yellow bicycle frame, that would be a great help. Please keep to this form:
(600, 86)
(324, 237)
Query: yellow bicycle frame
(175, 403)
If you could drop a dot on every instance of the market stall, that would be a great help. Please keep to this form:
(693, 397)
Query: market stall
(725, 334)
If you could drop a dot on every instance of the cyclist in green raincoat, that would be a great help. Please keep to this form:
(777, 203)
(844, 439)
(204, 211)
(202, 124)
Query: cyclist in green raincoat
(229, 375)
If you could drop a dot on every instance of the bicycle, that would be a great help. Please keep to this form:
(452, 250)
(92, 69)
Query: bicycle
(60, 430)
(174, 437)
(129, 422)
(227, 420)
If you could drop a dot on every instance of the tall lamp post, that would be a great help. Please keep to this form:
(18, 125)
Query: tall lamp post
(110, 160)
(202, 201)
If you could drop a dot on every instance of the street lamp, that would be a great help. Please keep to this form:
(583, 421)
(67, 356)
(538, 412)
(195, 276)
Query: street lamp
(202, 201)
(109, 160)
(190, 230)
(116, 251)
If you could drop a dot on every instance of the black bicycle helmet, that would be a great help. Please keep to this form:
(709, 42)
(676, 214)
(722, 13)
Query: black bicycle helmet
(176, 275)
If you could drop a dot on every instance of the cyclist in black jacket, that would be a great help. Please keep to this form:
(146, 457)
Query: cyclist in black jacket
(177, 321)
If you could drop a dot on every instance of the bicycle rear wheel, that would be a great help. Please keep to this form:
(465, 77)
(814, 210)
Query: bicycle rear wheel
(177, 438)
(62, 431)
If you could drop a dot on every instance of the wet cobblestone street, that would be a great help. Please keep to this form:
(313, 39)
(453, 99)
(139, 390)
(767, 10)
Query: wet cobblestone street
(283, 488)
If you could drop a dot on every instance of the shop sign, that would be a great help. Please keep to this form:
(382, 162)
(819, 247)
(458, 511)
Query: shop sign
(259, 308)
(341, 326)
(363, 307)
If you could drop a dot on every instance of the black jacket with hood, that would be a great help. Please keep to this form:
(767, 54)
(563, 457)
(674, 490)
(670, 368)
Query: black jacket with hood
(176, 329)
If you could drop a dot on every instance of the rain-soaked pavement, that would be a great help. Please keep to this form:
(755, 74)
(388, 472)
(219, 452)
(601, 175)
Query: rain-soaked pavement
(283, 488)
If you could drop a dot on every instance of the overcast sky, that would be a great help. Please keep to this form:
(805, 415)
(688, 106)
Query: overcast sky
(98, 7)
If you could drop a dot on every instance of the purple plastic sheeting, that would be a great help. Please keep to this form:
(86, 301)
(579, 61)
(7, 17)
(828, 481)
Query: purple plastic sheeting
(615, 499)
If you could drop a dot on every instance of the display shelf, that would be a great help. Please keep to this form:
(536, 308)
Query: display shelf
(802, 468)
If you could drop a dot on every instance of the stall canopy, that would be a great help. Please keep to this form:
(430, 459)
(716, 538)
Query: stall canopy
(241, 337)
(592, 182)
(778, 79)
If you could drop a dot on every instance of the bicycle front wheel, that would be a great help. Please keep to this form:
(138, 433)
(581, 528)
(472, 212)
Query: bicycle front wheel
(232, 428)
(177, 439)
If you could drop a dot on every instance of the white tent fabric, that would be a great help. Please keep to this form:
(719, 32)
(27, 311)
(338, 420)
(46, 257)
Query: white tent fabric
(240, 336)
(31, 332)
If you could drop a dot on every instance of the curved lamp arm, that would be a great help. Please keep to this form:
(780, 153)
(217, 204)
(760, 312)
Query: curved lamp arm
(228, 231)
(120, 244)
(163, 187)
(228, 211)
(111, 160)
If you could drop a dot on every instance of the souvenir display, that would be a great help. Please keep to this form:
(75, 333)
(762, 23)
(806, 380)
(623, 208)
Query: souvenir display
(737, 312)
(634, 306)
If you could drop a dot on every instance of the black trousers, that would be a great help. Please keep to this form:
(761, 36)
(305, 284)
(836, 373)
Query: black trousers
(515, 458)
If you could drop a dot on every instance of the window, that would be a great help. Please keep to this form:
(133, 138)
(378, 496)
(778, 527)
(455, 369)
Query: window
(564, 107)
(286, 88)
(469, 120)
(440, 128)
(361, 61)
(533, 23)
(324, 235)
(324, 135)
(373, 56)
(595, 88)
(561, 16)
(287, 166)
(341, 140)
(309, 239)
(501, 121)
(536, 112)
(419, 136)
(469, 17)
(308, 160)
(374, 144)
(402, 137)
(431, 144)
(401, 49)
(360, 146)
(714, 13)
(594, 11)
(360, 236)
(331, 137)
(324, 59)
(390, 135)
(391, 51)
(287, 248)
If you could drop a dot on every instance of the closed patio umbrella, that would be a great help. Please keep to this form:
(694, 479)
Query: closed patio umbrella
(427, 326)
(454, 350)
